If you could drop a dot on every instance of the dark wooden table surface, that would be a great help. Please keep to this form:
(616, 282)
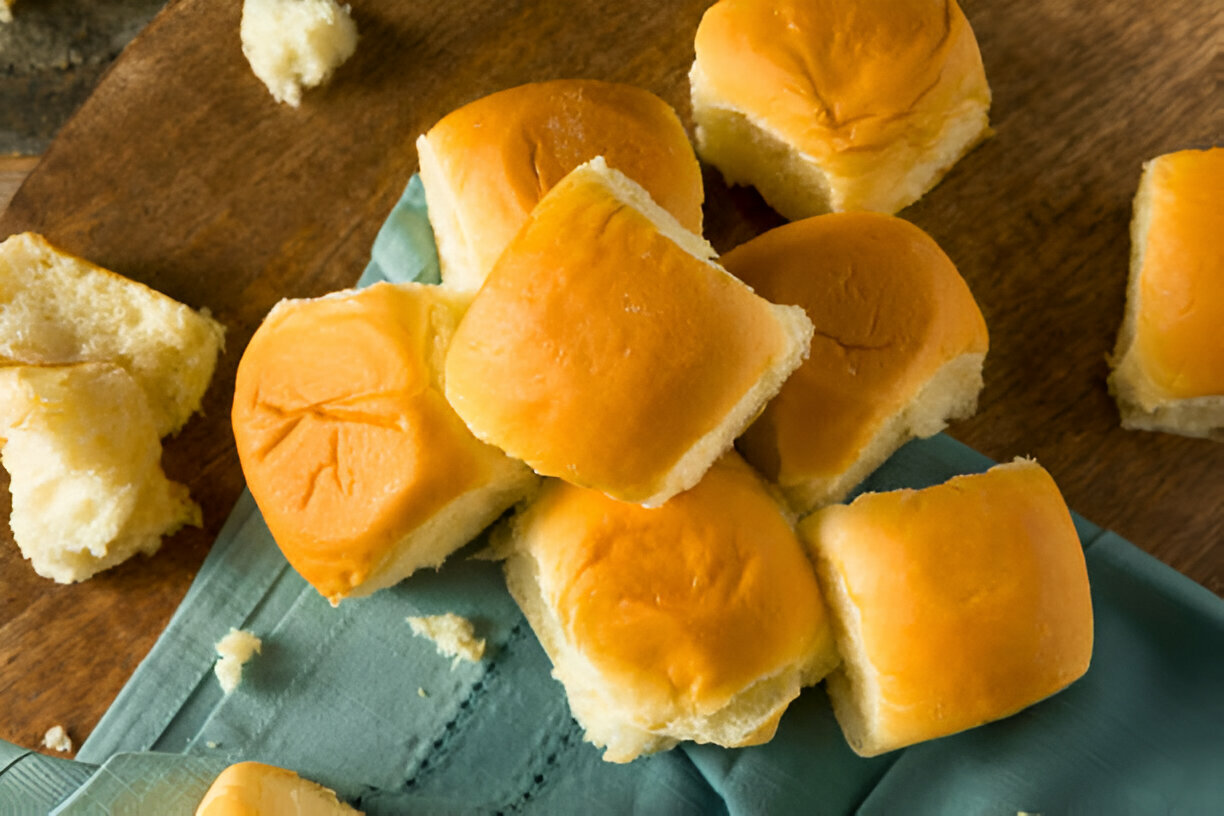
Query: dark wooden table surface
(181, 172)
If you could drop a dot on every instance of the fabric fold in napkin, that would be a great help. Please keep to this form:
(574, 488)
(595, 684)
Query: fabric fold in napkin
(350, 698)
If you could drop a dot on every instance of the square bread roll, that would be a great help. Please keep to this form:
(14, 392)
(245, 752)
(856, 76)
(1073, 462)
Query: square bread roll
(1169, 361)
(698, 620)
(898, 349)
(487, 164)
(361, 470)
(607, 349)
(952, 606)
(834, 105)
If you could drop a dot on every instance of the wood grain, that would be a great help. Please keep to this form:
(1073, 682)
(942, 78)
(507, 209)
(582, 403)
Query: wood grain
(13, 171)
(181, 172)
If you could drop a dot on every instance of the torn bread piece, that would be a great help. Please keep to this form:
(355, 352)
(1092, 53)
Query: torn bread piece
(453, 635)
(606, 348)
(82, 449)
(235, 650)
(57, 739)
(57, 308)
(296, 44)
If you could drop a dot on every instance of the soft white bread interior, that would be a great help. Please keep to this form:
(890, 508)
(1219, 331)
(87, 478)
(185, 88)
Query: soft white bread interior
(953, 606)
(296, 44)
(1169, 361)
(897, 352)
(256, 789)
(698, 620)
(361, 470)
(834, 105)
(607, 349)
(487, 164)
(84, 456)
(58, 308)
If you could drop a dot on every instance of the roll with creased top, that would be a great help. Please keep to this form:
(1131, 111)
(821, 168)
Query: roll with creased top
(607, 349)
(952, 606)
(897, 351)
(487, 164)
(697, 620)
(362, 471)
(833, 105)
(1169, 362)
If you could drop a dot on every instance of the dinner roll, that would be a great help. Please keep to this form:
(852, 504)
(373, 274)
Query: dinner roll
(58, 308)
(1169, 362)
(952, 606)
(82, 447)
(486, 165)
(256, 789)
(606, 348)
(362, 472)
(698, 620)
(832, 105)
(898, 349)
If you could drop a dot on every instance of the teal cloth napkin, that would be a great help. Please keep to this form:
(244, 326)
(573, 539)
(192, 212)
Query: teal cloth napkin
(350, 698)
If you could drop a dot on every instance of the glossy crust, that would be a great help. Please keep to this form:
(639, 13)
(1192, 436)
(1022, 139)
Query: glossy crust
(892, 314)
(348, 445)
(700, 619)
(487, 164)
(1169, 372)
(953, 606)
(606, 350)
(880, 98)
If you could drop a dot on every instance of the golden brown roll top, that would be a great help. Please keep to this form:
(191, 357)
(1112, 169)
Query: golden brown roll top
(361, 470)
(837, 104)
(898, 348)
(1169, 359)
(487, 164)
(953, 606)
(607, 350)
(698, 620)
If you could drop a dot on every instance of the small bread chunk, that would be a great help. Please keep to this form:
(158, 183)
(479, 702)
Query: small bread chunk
(83, 452)
(253, 788)
(453, 635)
(834, 105)
(898, 349)
(953, 606)
(58, 308)
(57, 739)
(1169, 362)
(607, 349)
(235, 650)
(487, 164)
(296, 44)
(698, 620)
(359, 466)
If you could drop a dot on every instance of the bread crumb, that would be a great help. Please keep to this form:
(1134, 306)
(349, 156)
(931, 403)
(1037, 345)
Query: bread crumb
(421, 692)
(235, 649)
(452, 634)
(57, 739)
(295, 44)
(212, 744)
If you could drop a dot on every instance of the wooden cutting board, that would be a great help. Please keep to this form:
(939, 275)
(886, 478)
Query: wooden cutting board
(181, 172)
